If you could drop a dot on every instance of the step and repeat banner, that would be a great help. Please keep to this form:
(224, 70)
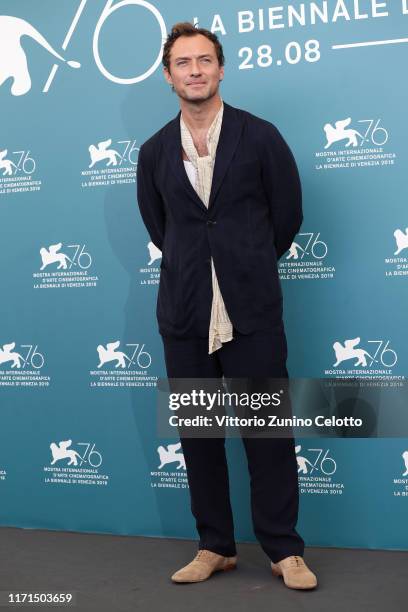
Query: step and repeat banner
(81, 87)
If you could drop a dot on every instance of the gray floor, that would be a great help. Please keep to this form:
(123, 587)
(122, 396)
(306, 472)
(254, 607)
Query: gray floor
(121, 574)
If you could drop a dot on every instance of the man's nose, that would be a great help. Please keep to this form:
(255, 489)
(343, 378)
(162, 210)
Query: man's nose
(195, 68)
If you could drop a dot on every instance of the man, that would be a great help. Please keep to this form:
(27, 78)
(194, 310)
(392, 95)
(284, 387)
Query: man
(220, 195)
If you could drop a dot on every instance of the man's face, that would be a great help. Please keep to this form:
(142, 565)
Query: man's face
(194, 69)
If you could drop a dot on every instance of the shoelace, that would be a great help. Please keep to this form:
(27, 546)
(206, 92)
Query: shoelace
(202, 554)
(296, 561)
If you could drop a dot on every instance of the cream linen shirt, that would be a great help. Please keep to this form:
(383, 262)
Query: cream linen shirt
(200, 173)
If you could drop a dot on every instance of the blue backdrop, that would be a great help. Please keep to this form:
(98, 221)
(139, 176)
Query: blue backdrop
(81, 87)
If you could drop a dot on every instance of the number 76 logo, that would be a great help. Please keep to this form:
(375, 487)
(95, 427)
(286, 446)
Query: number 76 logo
(13, 59)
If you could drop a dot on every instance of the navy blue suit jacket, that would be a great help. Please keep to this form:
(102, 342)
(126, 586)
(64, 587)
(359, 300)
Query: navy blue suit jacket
(255, 210)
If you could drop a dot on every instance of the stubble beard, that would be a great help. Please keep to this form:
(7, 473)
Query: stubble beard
(198, 100)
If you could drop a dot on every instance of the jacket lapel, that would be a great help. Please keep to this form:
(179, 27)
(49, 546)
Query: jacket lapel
(227, 143)
(172, 146)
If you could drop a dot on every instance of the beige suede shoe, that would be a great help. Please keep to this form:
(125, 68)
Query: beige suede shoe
(203, 565)
(296, 574)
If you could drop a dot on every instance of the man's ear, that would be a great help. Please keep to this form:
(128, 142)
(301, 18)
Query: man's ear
(167, 76)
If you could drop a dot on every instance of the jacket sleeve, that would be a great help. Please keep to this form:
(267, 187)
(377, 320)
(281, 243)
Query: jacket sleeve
(149, 199)
(281, 182)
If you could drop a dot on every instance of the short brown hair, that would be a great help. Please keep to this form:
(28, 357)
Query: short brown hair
(185, 28)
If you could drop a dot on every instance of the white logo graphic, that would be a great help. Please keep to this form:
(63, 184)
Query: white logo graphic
(13, 60)
(172, 477)
(376, 362)
(348, 351)
(61, 451)
(154, 253)
(401, 238)
(364, 148)
(405, 458)
(151, 270)
(293, 251)
(7, 354)
(339, 132)
(114, 165)
(71, 272)
(51, 255)
(302, 461)
(17, 168)
(306, 259)
(101, 152)
(131, 368)
(6, 164)
(25, 163)
(325, 464)
(111, 354)
(33, 357)
(397, 265)
(169, 455)
(25, 369)
(318, 248)
(401, 483)
(323, 482)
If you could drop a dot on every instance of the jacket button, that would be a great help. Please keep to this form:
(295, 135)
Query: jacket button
(211, 222)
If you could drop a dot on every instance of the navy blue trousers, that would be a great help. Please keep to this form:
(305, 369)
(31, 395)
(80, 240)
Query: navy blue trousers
(271, 461)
